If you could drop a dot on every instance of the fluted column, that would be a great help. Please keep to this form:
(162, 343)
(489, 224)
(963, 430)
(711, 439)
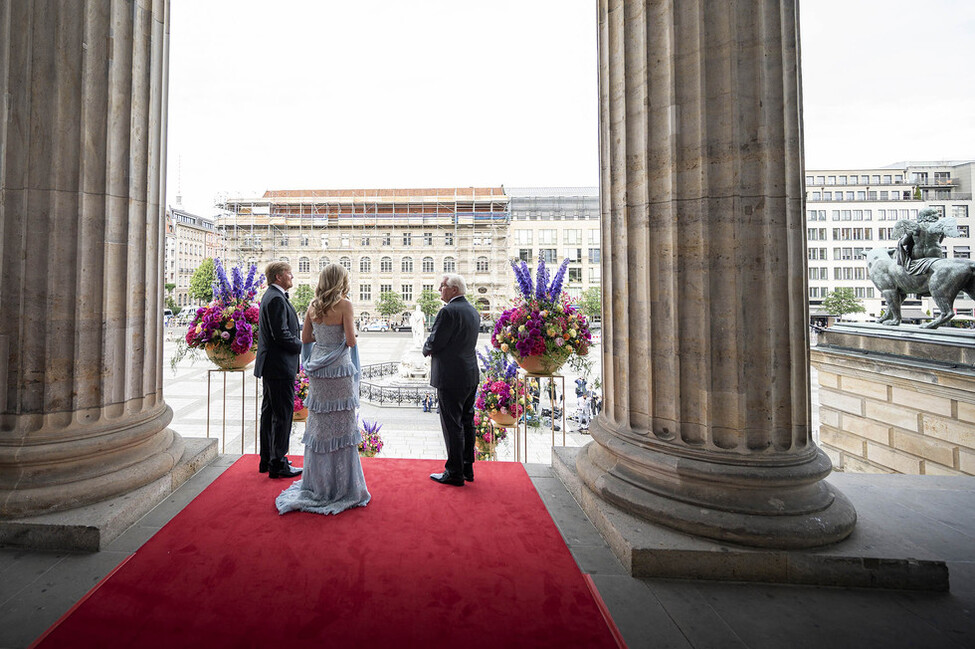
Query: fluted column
(82, 154)
(705, 425)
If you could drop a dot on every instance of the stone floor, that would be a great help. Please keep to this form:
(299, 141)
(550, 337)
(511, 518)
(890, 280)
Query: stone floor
(937, 516)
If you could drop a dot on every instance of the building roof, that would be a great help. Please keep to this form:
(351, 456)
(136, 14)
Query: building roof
(438, 192)
(517, 192)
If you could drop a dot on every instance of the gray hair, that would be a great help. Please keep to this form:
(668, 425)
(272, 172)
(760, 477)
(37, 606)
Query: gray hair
(456, 281)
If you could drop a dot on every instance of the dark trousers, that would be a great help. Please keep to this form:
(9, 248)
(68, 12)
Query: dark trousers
(457, 422)
(277, 410)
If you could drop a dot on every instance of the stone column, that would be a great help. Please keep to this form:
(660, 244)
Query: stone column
(705, 425)
(82, 154)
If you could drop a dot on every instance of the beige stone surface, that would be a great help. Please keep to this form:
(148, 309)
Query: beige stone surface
(966, 410)
(896, 460)
(82, 415)
(950, 430)
(919, 400)
(706, 338)
(843, 441)
(863, 387)
(925, 447)
(860, 465)
(872, 430)
(899, 416)
(839, 401)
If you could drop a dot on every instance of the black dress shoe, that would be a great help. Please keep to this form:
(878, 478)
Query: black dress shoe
(469, 472)
(446, 478)
(285, 472)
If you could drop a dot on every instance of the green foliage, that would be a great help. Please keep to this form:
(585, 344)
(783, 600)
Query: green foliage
(169, 287)
(429, 302)
(591, 303)
(842, 301)
(201, 284)
(301, 297)
(390, 303)
(172, 306)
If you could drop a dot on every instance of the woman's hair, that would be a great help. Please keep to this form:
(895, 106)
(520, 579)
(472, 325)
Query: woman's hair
(333, 285)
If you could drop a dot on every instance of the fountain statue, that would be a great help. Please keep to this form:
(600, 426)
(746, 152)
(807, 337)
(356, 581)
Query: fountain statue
(414, 365)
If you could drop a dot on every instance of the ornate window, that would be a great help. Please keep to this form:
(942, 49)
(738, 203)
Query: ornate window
(322, 263)
(407, 265)
(365, 265)
(304, 265)
(449, 265)
(428, 264)
(482, 264)
(386, 265)
(345, 261)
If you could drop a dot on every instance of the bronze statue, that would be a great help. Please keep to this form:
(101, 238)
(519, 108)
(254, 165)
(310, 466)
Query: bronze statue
(918, 265)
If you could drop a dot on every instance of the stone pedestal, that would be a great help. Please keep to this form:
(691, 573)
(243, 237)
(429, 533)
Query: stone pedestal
(897, 399)
(705, 425)
(82, 416)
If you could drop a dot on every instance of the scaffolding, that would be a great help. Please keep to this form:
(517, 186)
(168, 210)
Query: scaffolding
(374, 223)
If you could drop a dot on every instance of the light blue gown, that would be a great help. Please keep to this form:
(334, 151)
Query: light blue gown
(332, 480)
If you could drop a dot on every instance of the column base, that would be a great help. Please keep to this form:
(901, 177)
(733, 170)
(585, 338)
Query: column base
(756, 504)
(91, 527)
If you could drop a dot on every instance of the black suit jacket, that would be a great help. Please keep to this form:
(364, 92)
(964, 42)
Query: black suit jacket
(278, 343)
(451, 345)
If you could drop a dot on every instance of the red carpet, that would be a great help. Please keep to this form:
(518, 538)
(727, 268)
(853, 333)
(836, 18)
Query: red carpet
(423, 565)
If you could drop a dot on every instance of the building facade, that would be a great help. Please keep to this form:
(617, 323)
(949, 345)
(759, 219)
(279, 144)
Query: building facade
(398, 240)
(850, 211)
(556, 223)
(189, 240)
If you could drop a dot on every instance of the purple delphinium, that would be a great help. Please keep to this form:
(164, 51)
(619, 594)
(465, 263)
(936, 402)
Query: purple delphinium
(523, 279)
(222, 289)
(555, 290)
(540, 283)
(238, 282)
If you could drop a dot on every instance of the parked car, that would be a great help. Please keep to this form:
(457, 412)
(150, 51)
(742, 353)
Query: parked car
(376, 325)
(486, 327)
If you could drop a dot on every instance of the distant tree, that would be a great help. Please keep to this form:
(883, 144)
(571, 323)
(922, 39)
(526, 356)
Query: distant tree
(169, 287)
(170, 300)
(591, 302)
(302, 297)
(390, 303)
(842, 301)
(429, 303)
(201, 284)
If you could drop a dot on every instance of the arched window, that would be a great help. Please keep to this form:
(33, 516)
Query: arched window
(428, 264)
(322, 263)
(449, 265)
(286, 260)
(386, 265)
(345, 261)
(407, 265)
(304, 265)
(365, 265)
(482, 264)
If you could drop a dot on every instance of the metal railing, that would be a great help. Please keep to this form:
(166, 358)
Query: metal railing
(390, 395)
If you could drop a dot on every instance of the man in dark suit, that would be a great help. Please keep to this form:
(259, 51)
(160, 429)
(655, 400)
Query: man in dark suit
(278, 348)
(454, 372)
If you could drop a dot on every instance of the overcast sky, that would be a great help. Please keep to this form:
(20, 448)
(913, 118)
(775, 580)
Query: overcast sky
(441, 93)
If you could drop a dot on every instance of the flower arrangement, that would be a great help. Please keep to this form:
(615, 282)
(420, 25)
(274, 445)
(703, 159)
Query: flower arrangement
(499, 391)
(486, 437)
(371, 443)
(542, 322)
(301, 389)
(227, 326)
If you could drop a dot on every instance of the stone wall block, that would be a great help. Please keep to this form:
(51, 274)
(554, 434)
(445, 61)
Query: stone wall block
(899, 416)
(966, 461)
(921, 401)
(861, 465)
(839, 401)
(933, 468)
(863, 387)
(966, 411)
(895, 460)
(843, 441)
(829, 417)
(926, 447)
(872, 430)
(950, 430)
(829, 379)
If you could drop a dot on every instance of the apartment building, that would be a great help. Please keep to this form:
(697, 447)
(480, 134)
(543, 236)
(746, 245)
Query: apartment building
(398, 240)
(189, 240)
(556, 223)
(850, 211)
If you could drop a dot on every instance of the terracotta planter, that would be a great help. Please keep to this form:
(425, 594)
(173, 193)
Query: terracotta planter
(225, 359)
(541, 365)
(300, 415)
(502, 419)
(363, 453)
